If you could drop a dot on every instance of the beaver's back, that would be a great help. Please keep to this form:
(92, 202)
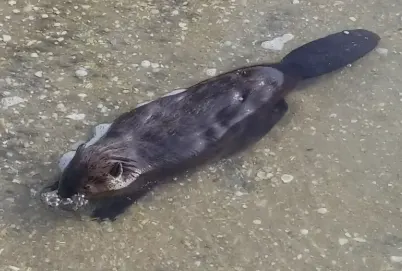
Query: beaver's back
(173, 129)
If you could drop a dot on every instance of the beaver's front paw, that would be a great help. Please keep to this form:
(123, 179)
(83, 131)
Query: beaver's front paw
(111, 209)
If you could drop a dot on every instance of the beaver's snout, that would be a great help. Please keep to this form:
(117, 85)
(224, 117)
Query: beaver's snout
(71, 180)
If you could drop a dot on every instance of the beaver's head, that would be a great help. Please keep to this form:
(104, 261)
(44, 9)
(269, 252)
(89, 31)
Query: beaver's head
(95, 172)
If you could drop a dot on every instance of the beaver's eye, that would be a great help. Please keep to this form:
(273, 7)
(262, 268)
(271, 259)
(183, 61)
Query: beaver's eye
(87, 187)
(116, 170)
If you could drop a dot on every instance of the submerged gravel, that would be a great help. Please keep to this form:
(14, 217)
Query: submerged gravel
(67, 66)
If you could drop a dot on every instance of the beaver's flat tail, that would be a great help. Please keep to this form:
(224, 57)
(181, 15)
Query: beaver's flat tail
(330, 53)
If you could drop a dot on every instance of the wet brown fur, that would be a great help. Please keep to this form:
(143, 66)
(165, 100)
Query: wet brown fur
(209, 121)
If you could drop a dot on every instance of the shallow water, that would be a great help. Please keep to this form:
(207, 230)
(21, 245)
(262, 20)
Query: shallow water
(340, 139)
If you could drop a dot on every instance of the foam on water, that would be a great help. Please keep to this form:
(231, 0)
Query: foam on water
(52, 199)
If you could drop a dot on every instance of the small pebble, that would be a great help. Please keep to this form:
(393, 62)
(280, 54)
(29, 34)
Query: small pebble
(269, 175)
(145, 63)
(396, 259)
(16, 181)
(353, 19)
(261, 174)
(75, 116)
(28, 8)
(360, 240)
(286, 178)
(34, 55)
(39, 74)
(322, 211)
(81, 72)
(33, 192)
(239, 193)
(3, 126)
(211, 72)
(61, 107)
(304, 231)
(343, 241)
(6, 38)
(333, 115)
(257, 222)
(382, 51)
(295, 2)
(261, 203)
(11, 101)
(278, 43)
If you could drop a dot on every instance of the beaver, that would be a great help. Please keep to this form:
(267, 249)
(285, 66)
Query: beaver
(206, 122)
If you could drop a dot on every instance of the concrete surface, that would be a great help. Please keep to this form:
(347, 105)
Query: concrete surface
(340, 140)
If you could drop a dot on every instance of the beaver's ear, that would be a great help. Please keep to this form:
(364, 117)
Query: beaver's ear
(116, 170)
